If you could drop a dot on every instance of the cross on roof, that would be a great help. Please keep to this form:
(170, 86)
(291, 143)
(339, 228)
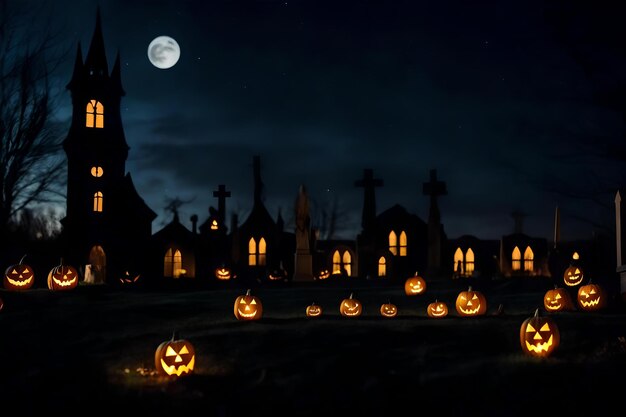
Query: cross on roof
(221, 195)
(369, 184)
(434, 187)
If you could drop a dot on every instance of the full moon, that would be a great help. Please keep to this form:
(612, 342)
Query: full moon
(163, 52)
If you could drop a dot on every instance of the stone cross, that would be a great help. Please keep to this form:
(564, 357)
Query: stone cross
(369, 184)
(221, 195)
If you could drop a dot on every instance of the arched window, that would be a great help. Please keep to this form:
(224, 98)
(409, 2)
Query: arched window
(469, 262)
(403, 243)
(529, 257)
(95, 114)
(257, 256)
(262, 251)
(251, 252)
(336, 262)
(393, 243)
(97, 171)
(516, 259)
(97, 201)
(173, 264)
(458, 262)
(347, 263)
(382, 266)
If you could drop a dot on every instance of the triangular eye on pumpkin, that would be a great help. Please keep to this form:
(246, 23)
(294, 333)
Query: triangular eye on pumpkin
(19, 277)
(573, 276)
(437, 309)
(350, 307)
(591, 297)
(248, 307)
(175, 357)
(539, 336)
(62, 277)
(471, 303)
(557, 299)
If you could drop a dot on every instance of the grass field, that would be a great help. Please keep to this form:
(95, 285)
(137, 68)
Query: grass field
(91, 351)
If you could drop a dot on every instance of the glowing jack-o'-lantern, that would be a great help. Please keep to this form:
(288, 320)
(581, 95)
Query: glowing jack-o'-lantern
(62, 278)
(471, 303)
(573, 276)
(414, 285)
(223, 273)
(350, 307)
(19, 276)
(130, 279)
(388, 310)
(313, 310)
(539, 336)
(591, 297)
(175, 357)
(557, 299)
(323, 274)
(248, 307)
(278, 274)
(437, 310)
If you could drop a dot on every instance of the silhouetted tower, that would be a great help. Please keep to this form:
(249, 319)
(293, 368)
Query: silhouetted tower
(434, 188)
(107, 224)
(369, 184)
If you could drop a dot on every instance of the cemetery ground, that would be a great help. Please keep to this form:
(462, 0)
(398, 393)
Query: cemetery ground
(90, 351)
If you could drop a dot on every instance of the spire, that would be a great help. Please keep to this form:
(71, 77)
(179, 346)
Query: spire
(96, 61)
(78, 68)
(116, 77)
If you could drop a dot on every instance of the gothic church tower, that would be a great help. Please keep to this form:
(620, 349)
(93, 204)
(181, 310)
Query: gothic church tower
(107, 227)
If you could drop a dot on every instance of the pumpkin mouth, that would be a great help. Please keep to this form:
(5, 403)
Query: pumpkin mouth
(591, 303)
(437, 313)
(65, 283)
(173, 369)
(553, 306)
(20, 283)
(575, 280)
(470, 310)
(247, 315)
(540, 347)
(416, 290)
(351, 312)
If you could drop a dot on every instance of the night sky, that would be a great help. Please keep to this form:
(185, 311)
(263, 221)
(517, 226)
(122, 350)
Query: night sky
(484, 92)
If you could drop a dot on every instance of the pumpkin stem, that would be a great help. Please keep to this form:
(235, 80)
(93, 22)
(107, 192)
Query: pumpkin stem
(537, 312)
(248, 292)
(415, 273)
(21, 260)
(469, 288)
(350, 296)
(175, 335)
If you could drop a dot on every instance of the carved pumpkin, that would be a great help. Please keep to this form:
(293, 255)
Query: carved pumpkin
(19, 276)
(248, 307)
(223, 273)
(437, 310)
(350, 307)
(414, 285)
(129, 279)
(62, 278)
(557, 299)
(388, 310)
(471, 303)
(591, 297)
(573, 276)
(323, 274)
(539, 335)
(313, 310)
(278, 274)
(175, 357)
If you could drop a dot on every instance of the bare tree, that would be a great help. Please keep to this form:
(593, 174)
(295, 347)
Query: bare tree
(31, 165)
(327, 217)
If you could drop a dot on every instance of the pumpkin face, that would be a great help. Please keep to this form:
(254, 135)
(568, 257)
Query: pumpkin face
(590, 297)
(277, 275)
(248, 307)
(62, 277)
(573, 276)
(323, 274)
(437, 309)
(175, 357)
(557, 299)
(129, 279)
(350, 307)
(539, 336)
(19, 277)
(471, 303)
(388, 310)
(414, 285)
(222, 273)
(313, 310)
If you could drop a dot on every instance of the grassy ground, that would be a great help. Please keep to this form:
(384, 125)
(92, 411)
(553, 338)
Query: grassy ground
(91, 351)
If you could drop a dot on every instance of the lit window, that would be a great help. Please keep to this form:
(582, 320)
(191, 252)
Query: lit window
(347, 263)
(469, 262)
(516, 259)
(173, 264)
(529, 256)
(97, 171)
(393, 242)
(458, 262)
(252, 252)
(403, 243)
(97, 201)
(262, 251)
(336, 262)
(382, 266)
(95, 114)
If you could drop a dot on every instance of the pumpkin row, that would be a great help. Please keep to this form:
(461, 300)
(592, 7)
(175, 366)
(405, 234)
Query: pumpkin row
(22, 277)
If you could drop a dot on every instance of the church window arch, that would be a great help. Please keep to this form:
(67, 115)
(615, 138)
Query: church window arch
(95, 114)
